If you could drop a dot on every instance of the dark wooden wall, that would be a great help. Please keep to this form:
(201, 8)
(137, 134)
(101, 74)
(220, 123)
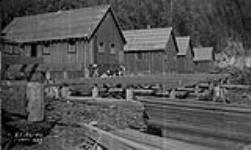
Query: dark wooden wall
(58, 57)
(108, 33)
(152, 62)
(204, 66)
(171, 58)
(185, 62)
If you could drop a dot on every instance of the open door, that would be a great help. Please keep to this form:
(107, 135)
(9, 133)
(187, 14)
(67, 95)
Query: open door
(33, 50)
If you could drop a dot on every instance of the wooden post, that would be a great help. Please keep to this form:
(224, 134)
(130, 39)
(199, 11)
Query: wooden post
(65, 91)
(48, 75)
(129, 94)
(56, 92)
(35, 96)
(95, 91)
(87, 73)
(216, 92)
(172, 94)
(65, 75)
(196, 89)
(0, 62)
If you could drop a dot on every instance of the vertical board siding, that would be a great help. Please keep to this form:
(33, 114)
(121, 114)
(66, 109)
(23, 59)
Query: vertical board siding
(204, 66)
(181, 63)
(190, 60)
(171, 62)
(152, 62)
(39, 50)
(27, 50)
(108, 33)
(59, 59)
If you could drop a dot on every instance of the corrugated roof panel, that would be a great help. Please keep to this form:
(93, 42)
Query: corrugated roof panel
(203, 54)
(58, 25)
(147, 39)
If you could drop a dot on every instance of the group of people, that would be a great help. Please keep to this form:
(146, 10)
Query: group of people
(107, 71)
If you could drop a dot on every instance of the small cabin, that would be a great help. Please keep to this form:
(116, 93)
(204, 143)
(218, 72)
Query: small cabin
(204, 59)
(69, 41)
(185, 55)
(150, 51)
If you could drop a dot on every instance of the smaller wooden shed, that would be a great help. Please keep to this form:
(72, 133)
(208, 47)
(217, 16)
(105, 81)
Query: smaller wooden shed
(204, 59)
(150, 51)
(185, 55)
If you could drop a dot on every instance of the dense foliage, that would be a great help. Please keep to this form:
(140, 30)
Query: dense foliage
(209, 22)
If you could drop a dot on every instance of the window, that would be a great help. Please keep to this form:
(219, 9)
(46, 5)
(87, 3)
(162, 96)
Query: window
(16, 50)
(8, 49)
(139, 56)
(46, 49)
(71, 47)
(113, 48)
(101, 47)
(33, 50)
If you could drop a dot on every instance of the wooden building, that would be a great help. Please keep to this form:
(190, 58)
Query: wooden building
(69, 41)
(185, 55)
(204, 59)
(150, 51)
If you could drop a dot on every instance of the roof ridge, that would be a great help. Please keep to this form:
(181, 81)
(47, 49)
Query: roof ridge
(105, 6)
(146, 29)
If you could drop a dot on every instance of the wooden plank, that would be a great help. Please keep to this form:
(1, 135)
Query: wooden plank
(196, 104)
(218, 121)
(22, 60)
(113, 142)
(228, 86)
(201, 139)
(169, 80)
(160, 142)
(185, 89)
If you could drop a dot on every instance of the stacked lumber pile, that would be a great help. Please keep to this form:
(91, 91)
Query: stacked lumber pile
(212, 124)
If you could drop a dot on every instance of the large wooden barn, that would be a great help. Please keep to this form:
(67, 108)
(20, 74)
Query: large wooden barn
(204, 59)
(150, 51)
(185, 55)
(68, 41)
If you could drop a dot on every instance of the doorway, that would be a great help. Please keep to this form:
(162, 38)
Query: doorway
(33, 50)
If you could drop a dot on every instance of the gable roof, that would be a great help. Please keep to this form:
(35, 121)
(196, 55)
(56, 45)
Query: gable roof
(147, 39)
(203, 54)
(183, 45)
(76, 23)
